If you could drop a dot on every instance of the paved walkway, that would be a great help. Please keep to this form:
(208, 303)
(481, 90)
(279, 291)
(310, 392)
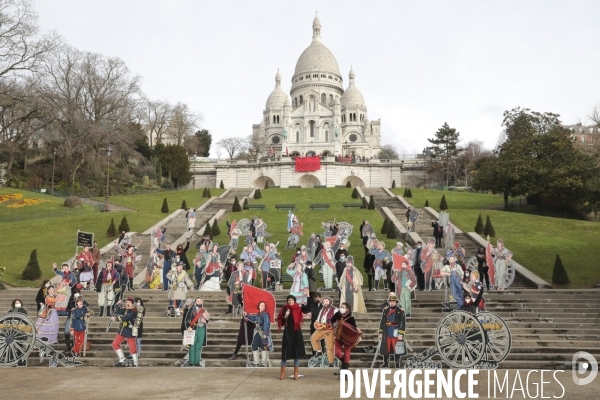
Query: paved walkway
(229, 383)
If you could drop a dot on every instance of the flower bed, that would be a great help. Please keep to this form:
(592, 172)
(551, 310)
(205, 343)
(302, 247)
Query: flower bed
(27, 202)
(11, 196)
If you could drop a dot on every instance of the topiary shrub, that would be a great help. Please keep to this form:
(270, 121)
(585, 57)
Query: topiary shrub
(257, 194)
(384, 227)
(208, 195)
(405, 194)
(236, 205)
(426, 203)
(204, 193)
(355, 193)
(184, 205)
(559, 274)
(479, 228)
(245, 202)
(221, 185)
(409, 193)
(165, 206)
(124, 225)
(443, 204)
(112, 230)
(215, 228)
(207, 230)
(371, 203)
(266, 184)
(32, 271)
(488, 230)
(394, 184)
(391, 232)
(73, 202)
(167, 185)
(348, 185)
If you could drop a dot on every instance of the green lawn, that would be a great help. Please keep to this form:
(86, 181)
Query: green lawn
(535, 240)
(54, 238)
(277, 220)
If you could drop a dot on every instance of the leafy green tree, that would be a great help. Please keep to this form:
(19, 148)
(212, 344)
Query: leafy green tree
(32, 271)
(174, 161)
(559, 274)
(165, 206)
(205, 141)
(388, 152)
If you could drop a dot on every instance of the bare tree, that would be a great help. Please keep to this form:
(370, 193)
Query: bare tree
(155, 116)
(388, 152)
(232, 145)
(21, 48)
(594, 115)
(254, 146)
(183, 122)
(91, 104)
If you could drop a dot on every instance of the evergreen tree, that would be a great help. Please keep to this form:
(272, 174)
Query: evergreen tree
(371, 203)
(443, 204)
(184, 205)
(236, 205)
(391, 232)
(245, 202)
(559, 274)
(355, 193)
(165, 207)
(479, 228)
(426, 203)
(215, 228)
(208, 195)
(204, 193)
(32, 270)
(348, 184)
(384, 227)
(444, 149)
(124, 225)
(405, 194)
(221, 185)
(112, 229)
(488, 230)
(159, 175)
(409, 194)
(257, 194)
(394, 184)
(207, 230)
(266, 184)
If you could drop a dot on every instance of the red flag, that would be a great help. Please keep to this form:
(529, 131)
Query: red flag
(307, 164)
(233, 225)
(253, 296)
(490, 262)
(398, 260)
(286, 151)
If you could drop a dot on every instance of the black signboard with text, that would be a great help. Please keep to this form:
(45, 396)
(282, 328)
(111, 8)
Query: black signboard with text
(85, 239)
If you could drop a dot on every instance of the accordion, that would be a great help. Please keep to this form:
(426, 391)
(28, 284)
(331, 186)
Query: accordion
(347, 334)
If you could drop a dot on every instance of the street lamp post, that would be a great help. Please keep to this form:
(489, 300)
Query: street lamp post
(54, 152)
(106, 196)
(194, 184)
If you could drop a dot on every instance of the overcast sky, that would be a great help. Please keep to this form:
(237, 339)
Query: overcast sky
(418, 64)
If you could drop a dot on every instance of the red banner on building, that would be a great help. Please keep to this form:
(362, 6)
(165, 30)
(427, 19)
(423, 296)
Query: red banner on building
(307, 164)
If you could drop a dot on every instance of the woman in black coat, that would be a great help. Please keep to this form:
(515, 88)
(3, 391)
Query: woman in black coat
(40, 299)
(290, 318)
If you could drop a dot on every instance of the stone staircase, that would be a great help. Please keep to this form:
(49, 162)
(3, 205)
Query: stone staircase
(382, 198)
(547, 328)
(226, 202)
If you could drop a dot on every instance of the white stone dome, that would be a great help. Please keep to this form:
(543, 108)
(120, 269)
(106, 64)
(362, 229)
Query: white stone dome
(277, 98)
(317, 56)
(352, 97)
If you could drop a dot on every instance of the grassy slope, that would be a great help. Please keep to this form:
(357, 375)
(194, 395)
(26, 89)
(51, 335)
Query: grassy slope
(54, 238)
(277, 220)
(535, 240)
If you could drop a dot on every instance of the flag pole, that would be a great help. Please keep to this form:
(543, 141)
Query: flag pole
(245, 327)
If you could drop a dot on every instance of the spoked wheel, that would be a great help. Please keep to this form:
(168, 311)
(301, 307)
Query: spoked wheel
(510, 274)
(498, 339)
(472, 264)
(17, 338)
(460, 340)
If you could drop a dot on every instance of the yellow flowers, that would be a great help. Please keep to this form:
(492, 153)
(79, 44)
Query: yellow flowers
(21, 203)
(6, 197)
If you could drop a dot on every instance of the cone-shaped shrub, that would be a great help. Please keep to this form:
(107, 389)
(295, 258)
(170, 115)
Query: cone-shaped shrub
(479, 225)
(559, 274)
(32, 270)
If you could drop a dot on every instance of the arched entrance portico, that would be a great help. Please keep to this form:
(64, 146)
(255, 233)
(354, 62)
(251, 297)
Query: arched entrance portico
(308, 181)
